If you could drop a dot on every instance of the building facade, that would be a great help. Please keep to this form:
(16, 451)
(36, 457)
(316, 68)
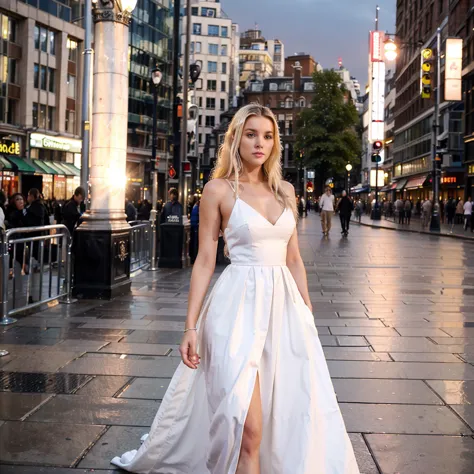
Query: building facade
(40, 97)
(286, 96)
(150, 46)
(416, 27)
(214, 46)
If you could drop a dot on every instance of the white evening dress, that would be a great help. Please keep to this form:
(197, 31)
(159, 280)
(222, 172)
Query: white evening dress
(254, 320)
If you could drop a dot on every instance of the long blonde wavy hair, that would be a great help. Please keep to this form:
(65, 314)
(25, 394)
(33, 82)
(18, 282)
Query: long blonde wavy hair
(229, 162)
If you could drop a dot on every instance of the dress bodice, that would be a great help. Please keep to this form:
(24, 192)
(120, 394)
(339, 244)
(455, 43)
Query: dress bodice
(253, 240)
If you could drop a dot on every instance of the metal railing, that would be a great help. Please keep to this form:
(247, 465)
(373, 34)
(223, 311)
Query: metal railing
(141, 241)
(35, 268)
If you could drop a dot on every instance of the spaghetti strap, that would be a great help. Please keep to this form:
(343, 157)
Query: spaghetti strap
(234, 190)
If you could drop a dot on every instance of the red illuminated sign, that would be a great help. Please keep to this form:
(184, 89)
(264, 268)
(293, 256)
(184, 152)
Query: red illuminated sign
(376, 46)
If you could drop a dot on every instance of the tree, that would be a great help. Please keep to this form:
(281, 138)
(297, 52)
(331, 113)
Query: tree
(326, 138)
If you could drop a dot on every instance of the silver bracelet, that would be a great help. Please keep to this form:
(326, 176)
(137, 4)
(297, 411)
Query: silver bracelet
(190, 329)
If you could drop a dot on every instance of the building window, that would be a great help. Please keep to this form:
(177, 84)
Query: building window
(199, 84)
(213, 30)
(36, 37)
(223, 86)
(211, 85)
(51, 113)
(222, 104)
(71, 50)
(70, 121)
(35, 114)
(224, 68)
(36, 76)
(211, 66)
(273, 86)
(52, 42)
(210, 103)
(51, 82)
(200, 138)
(43, 40)
(213, 49)
(224, 50)
(197, 28)
(194, 11)
(71, 86)
(200, 105)
(200, 116)
(43, 77)
(224, 31)
(210, 121)
(209, 12)
(12, 79)
(195, 47)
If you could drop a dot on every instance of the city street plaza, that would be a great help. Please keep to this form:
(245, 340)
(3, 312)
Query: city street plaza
(395, 314)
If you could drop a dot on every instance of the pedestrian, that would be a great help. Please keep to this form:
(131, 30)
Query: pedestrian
(300, 205)
(407, 211)
(71, 212)
(130, 211)
(467, 213)
(450, 209)
(345, 207)
(255, 333)
(144, 210)
(194, 234)
(3, 200)
(16, 218)
(172, 208)
(460, 211)
(327, 209)
(399, 209)
(426, 209)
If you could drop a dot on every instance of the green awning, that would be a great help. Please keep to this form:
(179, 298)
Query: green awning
(22, 165)
(35, 165)
(5, 164)
(74, 170)
(62, 166)
(46, 169)
(58, 168)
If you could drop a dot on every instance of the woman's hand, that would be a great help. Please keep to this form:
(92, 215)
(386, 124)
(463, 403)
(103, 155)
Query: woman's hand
(187, 350)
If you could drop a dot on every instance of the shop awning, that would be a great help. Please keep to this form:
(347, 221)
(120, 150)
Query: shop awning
(59, 168)
(386, 189)
(416, 182)
(365, 189)
(73, 169)
(401, 184)
(22, 165)
(46, 169)
(5, 164)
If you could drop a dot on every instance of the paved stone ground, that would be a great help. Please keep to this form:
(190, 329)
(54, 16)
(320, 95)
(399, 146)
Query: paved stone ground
(456, 231)
(395, 312)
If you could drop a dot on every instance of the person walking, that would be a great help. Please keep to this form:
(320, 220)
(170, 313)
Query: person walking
(253, 392)
(345, 207)
(399, 208)
(450, 209)
(460, 212)
(71, 212)
(130, 211)
(326, 204)
(407, 211)
(467, 213)
(426, 209)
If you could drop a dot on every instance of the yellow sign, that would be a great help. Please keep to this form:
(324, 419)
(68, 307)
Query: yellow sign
(9, 148)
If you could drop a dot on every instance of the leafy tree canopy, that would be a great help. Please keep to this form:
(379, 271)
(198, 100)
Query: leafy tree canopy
(326, 132)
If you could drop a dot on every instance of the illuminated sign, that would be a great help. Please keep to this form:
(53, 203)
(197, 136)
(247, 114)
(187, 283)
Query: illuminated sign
(448, 180)
(453, 69)
(38, 140)
(377, 46)
(7, 147)
(376, 87)
(377, 180)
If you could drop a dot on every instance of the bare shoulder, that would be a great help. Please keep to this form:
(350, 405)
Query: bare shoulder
(288, 188)
(215, 188)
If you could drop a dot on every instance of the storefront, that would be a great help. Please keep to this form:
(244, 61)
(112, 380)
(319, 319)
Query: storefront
(60, 161)
(8, 179)
(135, 186)
(452, 185)
(470, 180)
(415, 190)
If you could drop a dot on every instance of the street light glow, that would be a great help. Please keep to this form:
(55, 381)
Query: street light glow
(127, 5)
(348, 167)
(156, 76)
(390, 50)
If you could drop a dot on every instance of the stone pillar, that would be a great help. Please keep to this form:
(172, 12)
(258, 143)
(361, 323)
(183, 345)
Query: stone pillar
(102, 241)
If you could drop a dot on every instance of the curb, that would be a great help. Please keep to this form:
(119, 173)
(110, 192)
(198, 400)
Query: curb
(413, 231)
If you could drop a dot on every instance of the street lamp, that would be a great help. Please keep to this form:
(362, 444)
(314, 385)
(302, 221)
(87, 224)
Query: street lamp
(390, 50)
(348, 169)
(156, 76)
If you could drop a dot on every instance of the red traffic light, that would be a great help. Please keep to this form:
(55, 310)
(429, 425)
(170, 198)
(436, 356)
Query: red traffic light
(377, 145)
(171, 172)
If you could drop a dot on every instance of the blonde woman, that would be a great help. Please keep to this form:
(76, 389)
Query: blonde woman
(253, 393)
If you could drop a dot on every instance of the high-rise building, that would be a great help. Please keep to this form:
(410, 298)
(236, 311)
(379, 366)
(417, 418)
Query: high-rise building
(40, 97)
(150, 45)
(416, 27)
(259, 58)
(214, 46)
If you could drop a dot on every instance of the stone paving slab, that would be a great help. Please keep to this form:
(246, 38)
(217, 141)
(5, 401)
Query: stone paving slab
(15, 406)
(414, 392)
(104, 386)
(402, 419)
(408, 454)
(91, 410)
(145, 388)
(50, 444)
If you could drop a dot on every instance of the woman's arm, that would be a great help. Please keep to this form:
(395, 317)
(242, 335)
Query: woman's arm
(209, 226)
(294, 262)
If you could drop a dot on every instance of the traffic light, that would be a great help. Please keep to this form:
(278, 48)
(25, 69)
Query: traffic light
(427, 67)
(377, 146)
